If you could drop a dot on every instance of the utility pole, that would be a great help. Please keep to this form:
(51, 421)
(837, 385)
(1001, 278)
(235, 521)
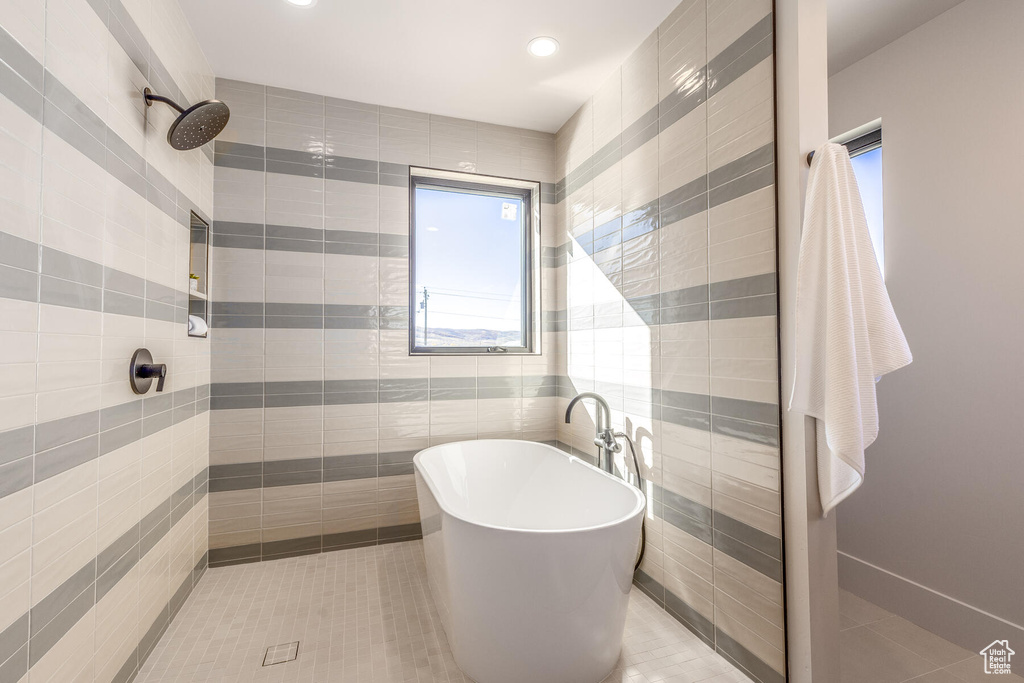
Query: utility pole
(423, 307)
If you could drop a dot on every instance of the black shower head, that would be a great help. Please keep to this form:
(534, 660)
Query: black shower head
(196, 125)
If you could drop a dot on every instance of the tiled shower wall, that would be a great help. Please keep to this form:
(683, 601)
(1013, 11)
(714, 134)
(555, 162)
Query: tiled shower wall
(103, 516)
(667, 213)
(317, 408)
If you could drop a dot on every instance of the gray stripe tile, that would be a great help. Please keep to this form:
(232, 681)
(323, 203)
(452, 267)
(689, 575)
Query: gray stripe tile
(120, 437)
(61, 597)
(690, 617)
(761, 178)
(19, 91)
(65, 293)
(748, 431)
(20, 61)
(292, 478)
(118, 569)
(686, 418)
(18, 252)
(16, 444)
(16, 475)
(13, 638)
(15, 283)
(239, 149)
(690, 508)
(769, 566)
(750, 411)
(721, 72)
(122, 304)
(116, 550)
(50, 635)
(738, 58)
(293, 232)
(65, 430)
(156, 403)
(236, 483)
(746, 660)
(63, 458)
(748, 535)
(69, 130)
(687, 97)
(242, 469)
(116, 416)
(743, 287)
(350, 539)
(763, 156)
(695, 528)
(747, 307)
(306, 246)
(687, 401)
(71, 267)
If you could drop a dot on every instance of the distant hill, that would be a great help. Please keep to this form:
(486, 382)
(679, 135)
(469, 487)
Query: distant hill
(446, 336)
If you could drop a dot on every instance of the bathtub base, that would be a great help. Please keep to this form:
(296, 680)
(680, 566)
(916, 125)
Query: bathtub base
(529, 605)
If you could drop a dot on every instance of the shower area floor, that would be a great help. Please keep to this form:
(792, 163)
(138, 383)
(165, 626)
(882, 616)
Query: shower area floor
(365, 616)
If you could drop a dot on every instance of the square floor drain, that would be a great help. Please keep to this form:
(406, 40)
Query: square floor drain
(279, 654)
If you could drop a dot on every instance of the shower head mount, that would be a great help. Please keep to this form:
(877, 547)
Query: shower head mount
(194, 126)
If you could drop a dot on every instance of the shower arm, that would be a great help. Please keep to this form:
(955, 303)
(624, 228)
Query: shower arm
(152, 97)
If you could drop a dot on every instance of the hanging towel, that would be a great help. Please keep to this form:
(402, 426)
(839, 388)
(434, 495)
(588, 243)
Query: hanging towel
(847, 335)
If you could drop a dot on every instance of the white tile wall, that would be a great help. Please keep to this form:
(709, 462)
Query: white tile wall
(84, 594)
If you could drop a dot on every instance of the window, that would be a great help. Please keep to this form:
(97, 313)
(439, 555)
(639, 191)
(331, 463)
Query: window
(473, 282)
(866, 156)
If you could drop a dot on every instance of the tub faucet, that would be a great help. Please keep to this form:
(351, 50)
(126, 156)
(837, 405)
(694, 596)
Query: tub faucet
(605, 437)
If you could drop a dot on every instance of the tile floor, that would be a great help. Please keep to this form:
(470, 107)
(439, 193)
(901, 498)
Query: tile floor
(879, 647)
(365, 616)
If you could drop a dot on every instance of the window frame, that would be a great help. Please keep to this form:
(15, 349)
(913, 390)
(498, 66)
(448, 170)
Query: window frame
(529, 192)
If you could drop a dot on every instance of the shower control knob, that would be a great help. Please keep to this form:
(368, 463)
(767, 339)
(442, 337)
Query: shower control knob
(142, 371)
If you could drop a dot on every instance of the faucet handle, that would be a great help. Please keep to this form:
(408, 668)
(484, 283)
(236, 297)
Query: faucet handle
(142, 370)
(606, 439)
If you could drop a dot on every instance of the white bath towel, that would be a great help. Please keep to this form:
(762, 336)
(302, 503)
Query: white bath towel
(847, 335)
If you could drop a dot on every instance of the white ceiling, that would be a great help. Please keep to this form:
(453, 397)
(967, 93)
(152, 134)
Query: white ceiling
(462, 58)
(856, 28)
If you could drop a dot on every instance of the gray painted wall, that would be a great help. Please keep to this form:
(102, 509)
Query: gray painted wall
(941, 504)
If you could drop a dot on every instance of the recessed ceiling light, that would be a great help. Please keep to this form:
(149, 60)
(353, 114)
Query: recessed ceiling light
(543, 46)
(301, 3)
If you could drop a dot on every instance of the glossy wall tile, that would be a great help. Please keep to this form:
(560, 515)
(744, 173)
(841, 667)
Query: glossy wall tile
(666, 216)
(317, 408)
(103, 514)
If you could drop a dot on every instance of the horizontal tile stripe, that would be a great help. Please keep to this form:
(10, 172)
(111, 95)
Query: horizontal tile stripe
(749, 173)
(308, 545)
(348, 169)
(746, 420)
(750, 297)
(133, 664)
(755, 45)
(74, 282)
(702, 627)
(42, 627)
(755, 548)
(60, 110)
(32, 454)
(746, 660)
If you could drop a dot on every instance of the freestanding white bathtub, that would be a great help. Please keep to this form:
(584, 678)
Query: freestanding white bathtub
(529, 556)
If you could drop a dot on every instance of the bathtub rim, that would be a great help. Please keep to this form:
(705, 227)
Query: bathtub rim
(639, 508)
